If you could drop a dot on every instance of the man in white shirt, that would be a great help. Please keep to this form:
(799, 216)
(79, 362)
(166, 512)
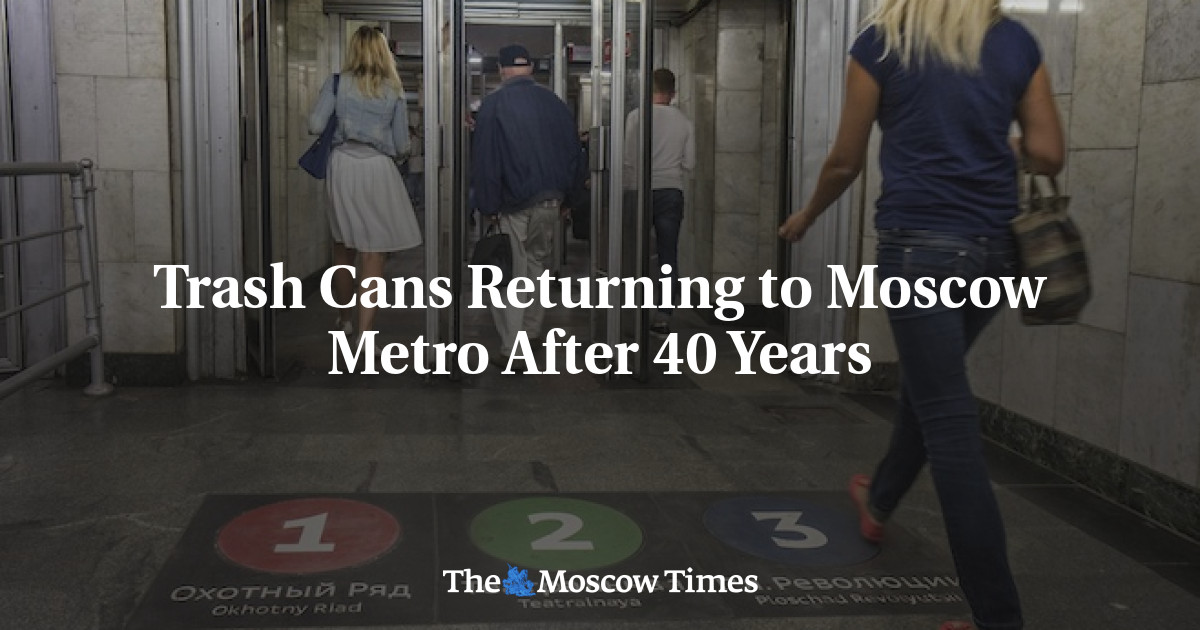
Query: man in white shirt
(672, 154)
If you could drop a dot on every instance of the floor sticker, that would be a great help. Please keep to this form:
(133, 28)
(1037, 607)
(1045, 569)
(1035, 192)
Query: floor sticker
(360, 560)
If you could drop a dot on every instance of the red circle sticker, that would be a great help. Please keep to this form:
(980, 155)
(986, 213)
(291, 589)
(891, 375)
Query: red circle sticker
(305, 536)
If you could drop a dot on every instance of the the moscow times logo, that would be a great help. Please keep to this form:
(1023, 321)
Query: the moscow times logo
(519, 584)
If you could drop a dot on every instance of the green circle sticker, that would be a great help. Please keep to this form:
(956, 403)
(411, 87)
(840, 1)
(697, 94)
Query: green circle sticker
(556, 533)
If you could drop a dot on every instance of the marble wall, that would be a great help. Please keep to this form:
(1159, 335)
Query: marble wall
(730, 72)
(1127, 378)
(118, 104)
(111, 65)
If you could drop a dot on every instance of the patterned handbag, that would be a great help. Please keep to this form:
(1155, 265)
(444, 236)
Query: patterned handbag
(316, 159)
(1051, 247)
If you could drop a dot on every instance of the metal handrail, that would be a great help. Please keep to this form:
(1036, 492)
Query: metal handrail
(37, 235)
(83, 191)
(21, 169)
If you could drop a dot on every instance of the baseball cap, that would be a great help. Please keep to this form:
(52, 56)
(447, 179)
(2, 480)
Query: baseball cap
(514, 55)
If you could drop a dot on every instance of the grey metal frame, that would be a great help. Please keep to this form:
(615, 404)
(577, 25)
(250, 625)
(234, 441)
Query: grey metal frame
(189, 183)
(821, 32)
(9, 268)
(489, 13)
(257, 244)
(434, 129)
(616, 173)
(35, 138)
(459, 173)
(597, 152)
(212, 234)
(83, 191)
(559, 83)
(560, 62)
(615, 152)
(645, 193)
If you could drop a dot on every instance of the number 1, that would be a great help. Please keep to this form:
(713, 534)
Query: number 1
(312, 528)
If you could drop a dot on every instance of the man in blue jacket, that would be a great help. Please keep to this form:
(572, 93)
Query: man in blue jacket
(525, 163)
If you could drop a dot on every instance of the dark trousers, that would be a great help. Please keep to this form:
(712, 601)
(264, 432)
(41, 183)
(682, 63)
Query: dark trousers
(668, 219)
(938, 420)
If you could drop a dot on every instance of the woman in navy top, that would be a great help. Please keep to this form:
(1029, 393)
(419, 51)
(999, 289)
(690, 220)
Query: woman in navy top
(944, 79)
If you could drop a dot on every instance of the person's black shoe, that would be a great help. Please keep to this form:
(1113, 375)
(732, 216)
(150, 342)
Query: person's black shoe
(660, 328)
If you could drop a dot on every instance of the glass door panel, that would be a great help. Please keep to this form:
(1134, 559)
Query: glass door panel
(257, 253)
(621, 224)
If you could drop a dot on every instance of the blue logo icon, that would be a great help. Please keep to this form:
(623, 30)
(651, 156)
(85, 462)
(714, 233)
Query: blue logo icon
(518, 583)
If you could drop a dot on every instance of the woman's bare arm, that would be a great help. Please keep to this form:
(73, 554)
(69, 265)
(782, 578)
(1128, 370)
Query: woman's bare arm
(848, 154)
(1041, 132)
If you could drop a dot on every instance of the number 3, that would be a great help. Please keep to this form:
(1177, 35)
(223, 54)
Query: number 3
(790, 522)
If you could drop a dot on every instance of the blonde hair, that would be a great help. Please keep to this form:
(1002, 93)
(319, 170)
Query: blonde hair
(950, 31)
(371, 63)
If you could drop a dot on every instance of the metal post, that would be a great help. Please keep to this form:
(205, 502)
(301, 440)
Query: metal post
(560, 88)
(800, 321)
(645, 194)
(458, 202)
(598, 146)
(89, 190)
(616, 196)
(434, 121)
(91, 293)
(560, 62)
(188, 175)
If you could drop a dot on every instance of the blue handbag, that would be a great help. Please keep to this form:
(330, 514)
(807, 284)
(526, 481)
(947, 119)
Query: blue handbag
(316, 159)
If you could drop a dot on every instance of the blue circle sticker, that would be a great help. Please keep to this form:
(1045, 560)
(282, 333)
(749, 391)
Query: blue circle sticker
(789, 531)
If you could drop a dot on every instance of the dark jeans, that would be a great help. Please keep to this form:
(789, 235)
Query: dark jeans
(668, 217)
(938, 421)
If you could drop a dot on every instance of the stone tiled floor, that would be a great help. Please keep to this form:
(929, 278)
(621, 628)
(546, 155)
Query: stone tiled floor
(101, 489)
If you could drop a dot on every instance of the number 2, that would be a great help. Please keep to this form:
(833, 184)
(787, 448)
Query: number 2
(557, 539)
(790, 522)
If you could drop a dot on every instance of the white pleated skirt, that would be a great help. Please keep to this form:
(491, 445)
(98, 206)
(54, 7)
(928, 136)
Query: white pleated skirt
(370, 209)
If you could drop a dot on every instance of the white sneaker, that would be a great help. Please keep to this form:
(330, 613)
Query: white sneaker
(344, 326)
(356, 337)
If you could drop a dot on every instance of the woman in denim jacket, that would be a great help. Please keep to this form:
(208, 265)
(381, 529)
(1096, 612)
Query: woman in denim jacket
(371, 212)
(944, 79)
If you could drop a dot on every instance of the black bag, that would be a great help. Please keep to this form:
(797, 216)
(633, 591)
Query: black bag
(494, 249)
(316, 159)
(581, 221)
(1051, 246)
(579, 199)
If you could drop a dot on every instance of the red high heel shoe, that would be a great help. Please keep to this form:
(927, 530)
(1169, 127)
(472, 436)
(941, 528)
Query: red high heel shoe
(871, 529)
(957, 625)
